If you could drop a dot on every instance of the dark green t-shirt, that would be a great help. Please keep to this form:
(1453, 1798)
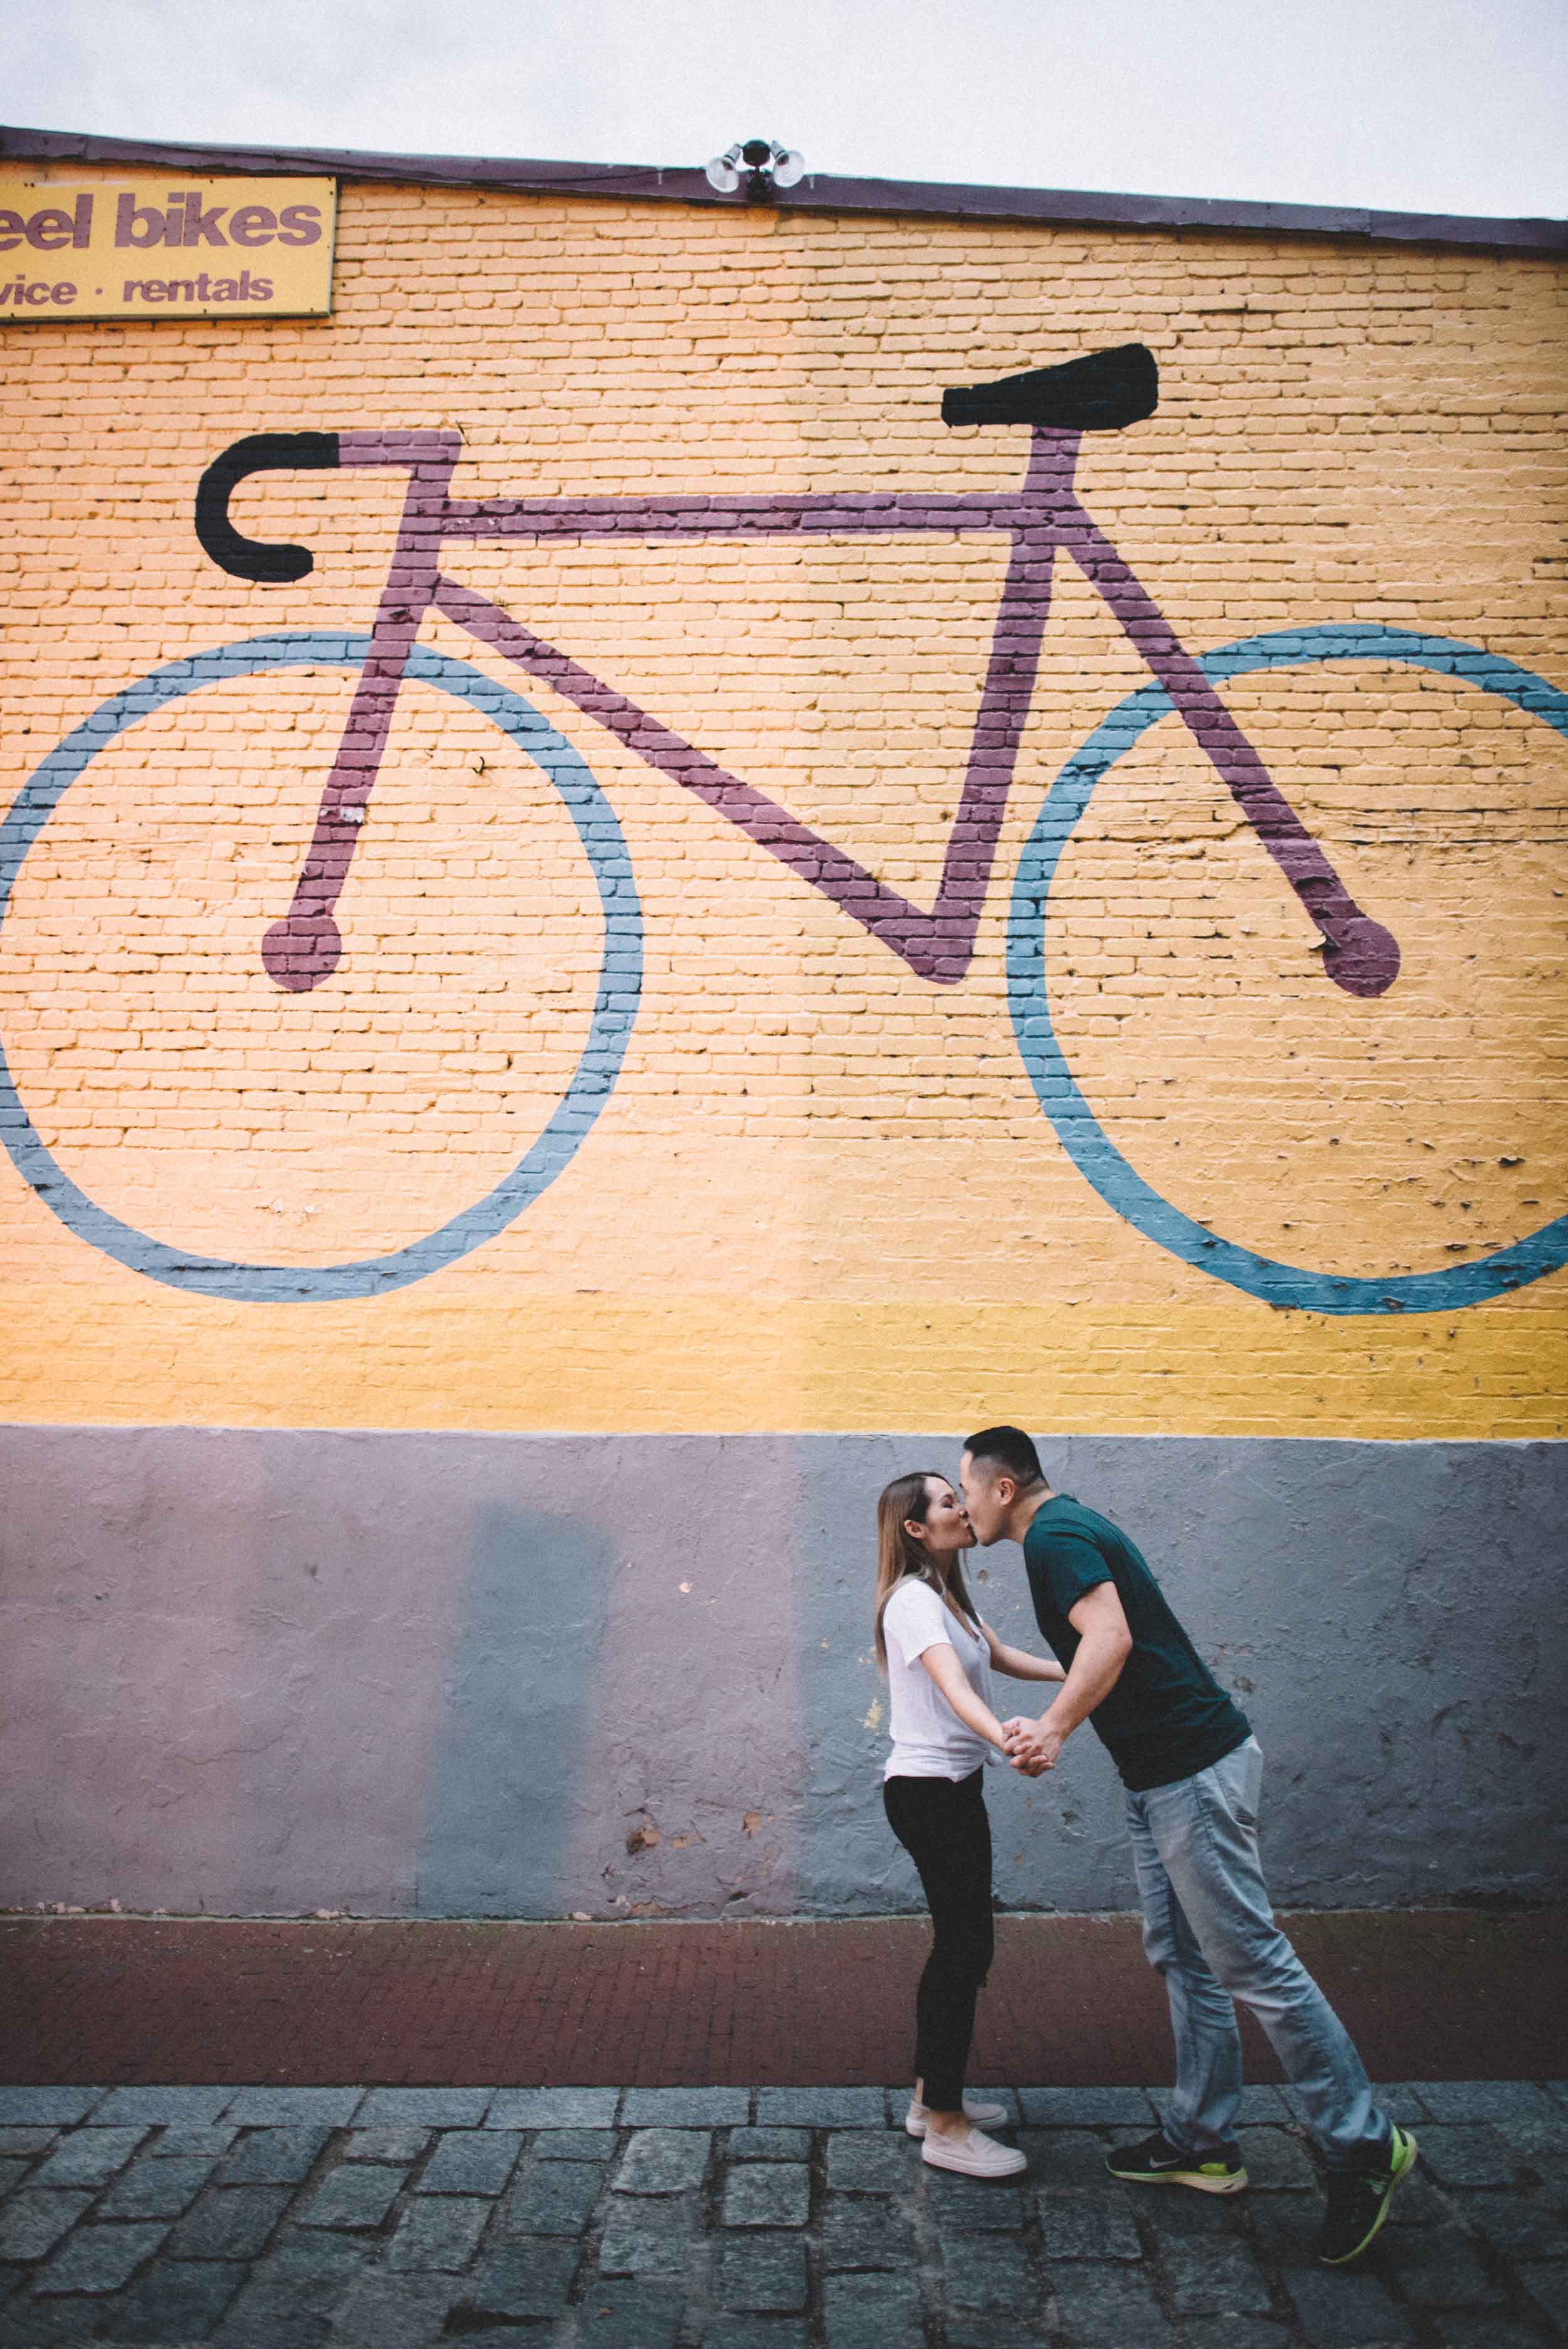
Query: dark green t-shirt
(1167, 1717)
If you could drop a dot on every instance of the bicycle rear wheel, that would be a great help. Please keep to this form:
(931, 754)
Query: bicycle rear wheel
(571, 1092)
(1117, 1130)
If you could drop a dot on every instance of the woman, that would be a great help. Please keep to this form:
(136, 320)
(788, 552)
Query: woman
(938, 1656)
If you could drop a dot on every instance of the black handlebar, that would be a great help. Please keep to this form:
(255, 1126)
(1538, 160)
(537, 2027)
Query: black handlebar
(261, 452)
(1098, 393)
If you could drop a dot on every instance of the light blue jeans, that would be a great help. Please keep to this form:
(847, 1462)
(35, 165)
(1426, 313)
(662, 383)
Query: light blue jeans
(1209, 1929)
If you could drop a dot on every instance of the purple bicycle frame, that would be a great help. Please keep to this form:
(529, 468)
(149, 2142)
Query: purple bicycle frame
(1042, 516)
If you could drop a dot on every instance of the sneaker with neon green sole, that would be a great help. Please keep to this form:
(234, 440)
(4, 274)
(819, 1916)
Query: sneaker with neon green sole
(1155, 2161)
(1358, 2202)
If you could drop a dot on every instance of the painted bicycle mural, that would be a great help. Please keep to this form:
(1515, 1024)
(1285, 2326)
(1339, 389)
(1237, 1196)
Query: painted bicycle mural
(302, 947)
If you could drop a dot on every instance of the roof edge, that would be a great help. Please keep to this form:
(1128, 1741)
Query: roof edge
(816, 192)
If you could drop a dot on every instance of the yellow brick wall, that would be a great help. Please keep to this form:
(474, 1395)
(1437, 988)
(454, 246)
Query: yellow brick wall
(822, 1193)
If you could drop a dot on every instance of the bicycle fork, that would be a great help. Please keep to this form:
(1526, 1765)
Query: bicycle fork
(307, 946)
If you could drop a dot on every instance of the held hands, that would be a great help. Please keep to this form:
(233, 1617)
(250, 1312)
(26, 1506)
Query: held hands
(1032, 1746)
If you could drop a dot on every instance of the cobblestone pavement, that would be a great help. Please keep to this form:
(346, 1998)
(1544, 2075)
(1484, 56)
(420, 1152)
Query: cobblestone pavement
(744, 2218)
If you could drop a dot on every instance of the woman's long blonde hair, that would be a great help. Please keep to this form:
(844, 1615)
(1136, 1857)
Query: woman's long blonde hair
(900, 1556)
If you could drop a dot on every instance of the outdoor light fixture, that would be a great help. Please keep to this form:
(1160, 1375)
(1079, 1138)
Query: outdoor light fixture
(768, 166)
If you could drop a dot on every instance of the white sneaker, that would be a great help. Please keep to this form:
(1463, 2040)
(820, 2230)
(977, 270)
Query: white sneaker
(975, 2108)
(976, 2155)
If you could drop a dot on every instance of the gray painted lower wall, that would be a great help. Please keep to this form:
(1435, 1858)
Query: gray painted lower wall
(442, 1675)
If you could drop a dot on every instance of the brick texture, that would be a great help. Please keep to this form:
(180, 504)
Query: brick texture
(737, 2002)
(1348, 433)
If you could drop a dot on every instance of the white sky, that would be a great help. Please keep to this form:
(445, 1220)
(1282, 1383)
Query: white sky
(1419, 105)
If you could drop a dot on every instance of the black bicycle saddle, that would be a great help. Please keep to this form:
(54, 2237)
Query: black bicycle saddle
(1098, 393)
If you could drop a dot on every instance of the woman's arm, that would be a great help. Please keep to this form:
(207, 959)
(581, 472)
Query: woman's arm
(942, 1662)
(1017, 1663)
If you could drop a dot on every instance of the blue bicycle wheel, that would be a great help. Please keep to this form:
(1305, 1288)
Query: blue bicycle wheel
(593, 1078)
(1091, 1149)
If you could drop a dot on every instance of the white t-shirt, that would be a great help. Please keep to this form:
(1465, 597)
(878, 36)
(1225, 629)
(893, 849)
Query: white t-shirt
(929, 1740)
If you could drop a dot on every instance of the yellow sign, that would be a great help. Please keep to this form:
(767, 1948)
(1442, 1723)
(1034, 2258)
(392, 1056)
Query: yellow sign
(164, 248)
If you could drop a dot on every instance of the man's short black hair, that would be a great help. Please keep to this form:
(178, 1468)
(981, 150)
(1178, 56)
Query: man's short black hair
(1011, 1450)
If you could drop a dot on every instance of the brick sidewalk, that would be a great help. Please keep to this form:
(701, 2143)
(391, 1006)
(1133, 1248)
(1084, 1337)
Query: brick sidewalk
(1428, 1994)
(743, 2218)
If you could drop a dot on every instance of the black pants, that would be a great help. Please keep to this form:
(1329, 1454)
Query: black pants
(945, 1829)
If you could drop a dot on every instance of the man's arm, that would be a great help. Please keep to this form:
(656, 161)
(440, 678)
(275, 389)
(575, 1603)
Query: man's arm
(1104, 1645)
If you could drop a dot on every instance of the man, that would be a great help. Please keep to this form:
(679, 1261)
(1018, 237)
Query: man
(1192, 1771)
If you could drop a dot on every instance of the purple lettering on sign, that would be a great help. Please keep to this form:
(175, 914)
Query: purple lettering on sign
(300, 224)
(62, 292)
(252, 225)
(138, 224)
(51, 228)
(193, 290)
(201, 227)
(11, 231)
